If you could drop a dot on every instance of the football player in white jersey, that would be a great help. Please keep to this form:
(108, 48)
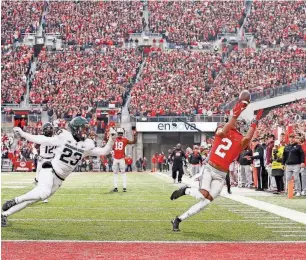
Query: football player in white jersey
(71, 148)
(45, 151)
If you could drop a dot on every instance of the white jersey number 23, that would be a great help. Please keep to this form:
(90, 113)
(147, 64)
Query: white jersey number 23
(223, 147)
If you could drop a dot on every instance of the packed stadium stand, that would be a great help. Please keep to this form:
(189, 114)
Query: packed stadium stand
(276, 22)
(176, 82)
(94, 22)
(186, 22)
(72, 81)
(19, 17)
(15, 65)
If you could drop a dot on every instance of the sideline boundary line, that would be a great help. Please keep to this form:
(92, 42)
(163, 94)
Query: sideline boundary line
(159, 242)
(260, 205)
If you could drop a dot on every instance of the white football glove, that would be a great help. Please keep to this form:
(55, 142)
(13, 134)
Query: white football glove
(17, 131)
(112, 134)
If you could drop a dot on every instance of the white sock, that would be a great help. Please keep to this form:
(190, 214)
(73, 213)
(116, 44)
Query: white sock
(194, 209)
(124, 180)
(116, 180)
(18, 207)
(194, 192)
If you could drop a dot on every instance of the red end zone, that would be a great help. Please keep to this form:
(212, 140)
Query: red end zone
(146, 250)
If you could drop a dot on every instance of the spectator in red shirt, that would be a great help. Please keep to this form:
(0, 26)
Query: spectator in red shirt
(128, 162)
(160, 159)
(154, 162)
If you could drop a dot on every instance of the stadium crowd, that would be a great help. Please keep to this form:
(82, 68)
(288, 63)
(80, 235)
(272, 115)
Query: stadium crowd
(183, 82)
(94, 22)
(258, 70)
(186, 22)
(15, 65)
(18, 17)
(72, 82)
(276, 22)
(176, 83)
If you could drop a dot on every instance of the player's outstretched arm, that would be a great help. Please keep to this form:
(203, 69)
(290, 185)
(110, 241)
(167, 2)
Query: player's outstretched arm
(248, 137)
(237, 110)
(134, 139)
(38, 139)
(98, 151)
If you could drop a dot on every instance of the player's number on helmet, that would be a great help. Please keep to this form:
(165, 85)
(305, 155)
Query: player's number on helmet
(224, 147)
(67, 153)
(118, 145)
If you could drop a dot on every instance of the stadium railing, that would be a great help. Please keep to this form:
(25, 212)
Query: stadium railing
(271, 93)
(191, 118)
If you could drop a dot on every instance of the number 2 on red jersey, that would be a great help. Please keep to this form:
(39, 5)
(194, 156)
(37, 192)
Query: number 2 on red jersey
(220, 151)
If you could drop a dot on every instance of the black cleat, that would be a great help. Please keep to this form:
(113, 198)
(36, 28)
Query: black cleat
(175, 224)
(3, 221)
(115, 190)
(7, 205)
(178, 193)
(124, 189)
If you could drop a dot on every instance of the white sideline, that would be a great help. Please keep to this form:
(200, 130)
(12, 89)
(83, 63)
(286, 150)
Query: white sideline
(158, 242)
(268, 207)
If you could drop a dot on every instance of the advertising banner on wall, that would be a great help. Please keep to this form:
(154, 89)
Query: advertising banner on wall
(175, 127)
(23, 166)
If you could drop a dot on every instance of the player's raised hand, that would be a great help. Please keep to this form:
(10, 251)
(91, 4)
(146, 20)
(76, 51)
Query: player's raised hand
(255, 121)
(17, 132)
(239, 107)
(112, 134)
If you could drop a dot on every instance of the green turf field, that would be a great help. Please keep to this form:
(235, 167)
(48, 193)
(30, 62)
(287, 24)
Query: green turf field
(85, 209)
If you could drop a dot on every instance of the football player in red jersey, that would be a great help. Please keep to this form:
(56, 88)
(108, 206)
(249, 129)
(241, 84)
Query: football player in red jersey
(119, 155)
(228, 144)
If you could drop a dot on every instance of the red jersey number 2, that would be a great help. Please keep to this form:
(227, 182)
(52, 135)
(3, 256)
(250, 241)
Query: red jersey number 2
(220, 151)
(119, 146)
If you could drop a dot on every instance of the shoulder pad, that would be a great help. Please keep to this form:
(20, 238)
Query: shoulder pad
(64, 133)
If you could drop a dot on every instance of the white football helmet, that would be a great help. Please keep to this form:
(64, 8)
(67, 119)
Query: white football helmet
(120, 132)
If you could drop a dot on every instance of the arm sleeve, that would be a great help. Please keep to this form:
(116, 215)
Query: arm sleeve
(285, 156)
(302, 154)
(41, 139)
(98, 151)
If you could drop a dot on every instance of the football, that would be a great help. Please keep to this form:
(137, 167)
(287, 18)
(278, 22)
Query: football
(245, 95)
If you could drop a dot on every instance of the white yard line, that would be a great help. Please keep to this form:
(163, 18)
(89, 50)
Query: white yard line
(268, 207)
(290, 231)
(295, 235)
(284, 227)
(13, 187)
(130, 220)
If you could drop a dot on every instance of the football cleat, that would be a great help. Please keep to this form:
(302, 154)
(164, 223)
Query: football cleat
(3, 221)
(178, 193)
(115, 190)
(124, 189)
(175, 224)
(7, 205)
(45, 201)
